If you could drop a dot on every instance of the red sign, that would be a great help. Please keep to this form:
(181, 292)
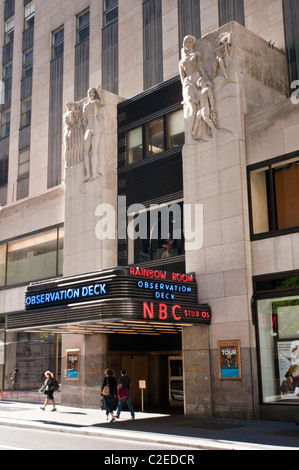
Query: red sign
(161, 275)
(177, 313)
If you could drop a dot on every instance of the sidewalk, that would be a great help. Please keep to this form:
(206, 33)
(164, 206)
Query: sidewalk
(209, 434)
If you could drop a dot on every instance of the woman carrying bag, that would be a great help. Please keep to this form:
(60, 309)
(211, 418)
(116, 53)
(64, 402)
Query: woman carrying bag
(109, 391)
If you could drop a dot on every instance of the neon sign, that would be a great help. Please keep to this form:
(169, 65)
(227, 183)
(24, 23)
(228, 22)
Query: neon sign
(64, 296)
(164, 291)
(161, 275)
(177, 313)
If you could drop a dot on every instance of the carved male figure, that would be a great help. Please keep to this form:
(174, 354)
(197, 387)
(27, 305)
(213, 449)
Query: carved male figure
(91, 111)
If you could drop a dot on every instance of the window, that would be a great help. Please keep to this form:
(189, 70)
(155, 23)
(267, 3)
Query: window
(24, 162)
(28, 63)
(29, 15)
(2, 264)
(58, 43)
(32, 258)
(156, 136)
(83, 26)
(278, 320)
(156, 233)
(135, 145)
(3, 171)
(5, 124)
(9, 30)
(110, 11)
(26, 113)
(176, 129)
(274, 196)
(231, 10)
(7, 76)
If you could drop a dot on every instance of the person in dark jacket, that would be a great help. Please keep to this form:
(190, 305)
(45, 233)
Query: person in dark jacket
(109, 391)
(47, 388)
(125, 382)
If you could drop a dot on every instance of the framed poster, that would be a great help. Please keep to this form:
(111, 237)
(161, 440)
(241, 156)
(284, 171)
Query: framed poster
(73, 364)
(229, 355)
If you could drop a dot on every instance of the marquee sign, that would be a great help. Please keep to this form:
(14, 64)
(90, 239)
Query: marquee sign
(157, 296)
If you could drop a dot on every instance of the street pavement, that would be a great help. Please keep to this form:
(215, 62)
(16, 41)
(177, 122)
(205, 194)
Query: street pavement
(176, 430)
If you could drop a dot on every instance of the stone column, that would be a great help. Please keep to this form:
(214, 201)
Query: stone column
(241, 75)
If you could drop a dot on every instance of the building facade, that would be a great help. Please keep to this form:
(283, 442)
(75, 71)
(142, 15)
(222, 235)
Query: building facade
(149, 202)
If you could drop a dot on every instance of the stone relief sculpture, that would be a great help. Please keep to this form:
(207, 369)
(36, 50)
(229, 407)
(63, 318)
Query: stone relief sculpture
(206, 109)
(82, 132)
(73, 134)
(222, 51)
(201, 121)
(191, 69)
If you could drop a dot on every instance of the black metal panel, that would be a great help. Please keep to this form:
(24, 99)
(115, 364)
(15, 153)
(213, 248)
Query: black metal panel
(157, 100)
(189, 19)
(155, 180)
(55, 122)
(231, 10)
(81, 70)
(152, 43)
(291, 27)
(110, 58)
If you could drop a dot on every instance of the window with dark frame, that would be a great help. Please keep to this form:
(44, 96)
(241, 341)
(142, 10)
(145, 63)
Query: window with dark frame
(83, 26)
(274, 196)
(58, 43)
(29, 16)
(110, 8)
(156, 136)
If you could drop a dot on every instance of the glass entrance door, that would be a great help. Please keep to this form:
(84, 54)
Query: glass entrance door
(176, 384)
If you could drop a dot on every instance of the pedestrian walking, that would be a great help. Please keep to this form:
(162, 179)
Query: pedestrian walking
(124, 394)
(109, 391)
(48, 389)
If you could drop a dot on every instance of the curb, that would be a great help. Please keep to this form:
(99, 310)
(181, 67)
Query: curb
(140, 436)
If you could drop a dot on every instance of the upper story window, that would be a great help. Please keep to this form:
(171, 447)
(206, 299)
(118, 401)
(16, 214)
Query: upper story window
(5, 124)
(29, 15)
(3, 171)
(83, 26)
(110, 11)
(156, 136)
(58, 43)
(27, 63)
(7, 76)
(9, 30)
(274, 196)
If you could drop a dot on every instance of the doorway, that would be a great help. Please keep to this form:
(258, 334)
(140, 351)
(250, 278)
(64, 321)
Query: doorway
(147, 358)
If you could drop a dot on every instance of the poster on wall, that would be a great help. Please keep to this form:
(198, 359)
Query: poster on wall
(288, 364)
(229, 353)
(73, 364)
